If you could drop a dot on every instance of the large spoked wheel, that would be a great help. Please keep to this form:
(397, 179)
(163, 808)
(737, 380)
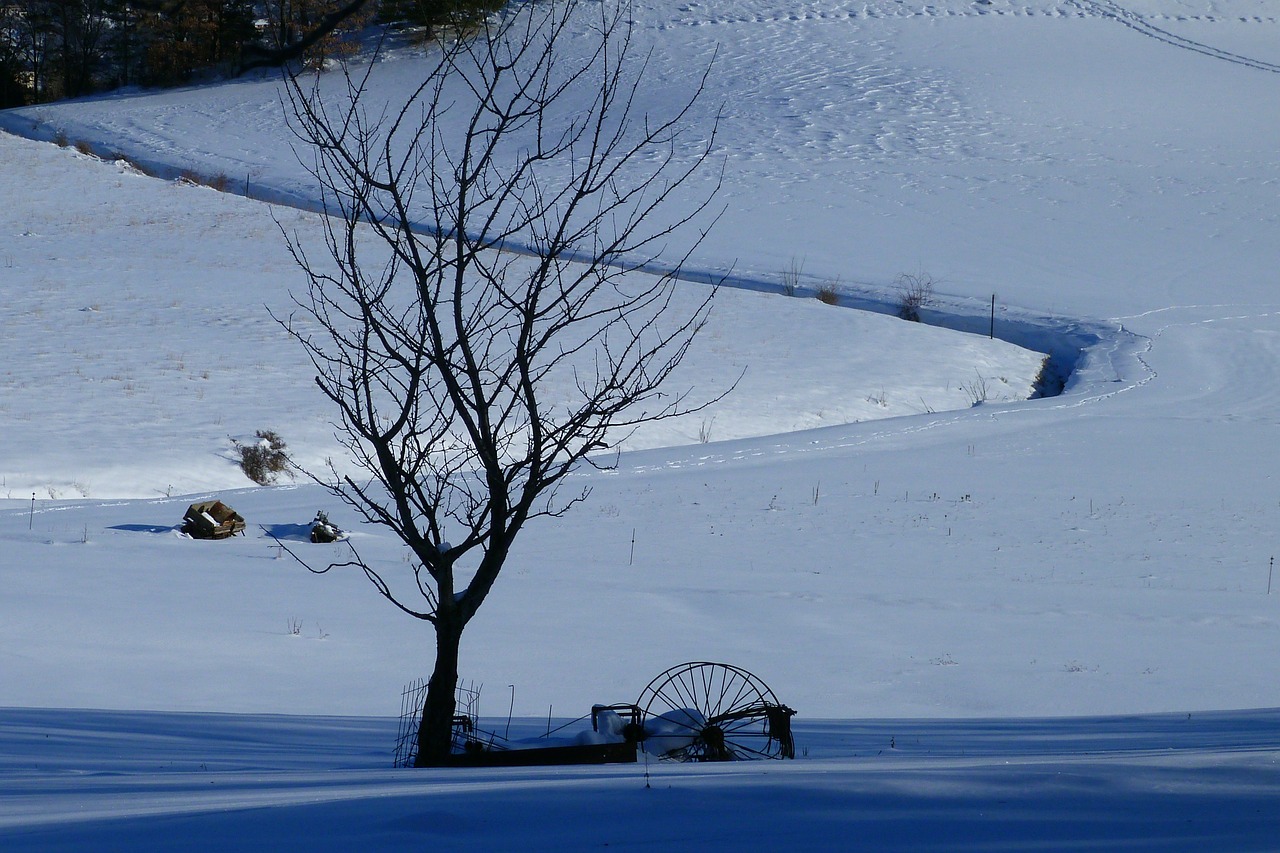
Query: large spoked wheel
(704, 711)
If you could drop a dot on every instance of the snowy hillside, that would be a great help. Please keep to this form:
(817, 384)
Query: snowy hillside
(143, 342)
(1106, 169)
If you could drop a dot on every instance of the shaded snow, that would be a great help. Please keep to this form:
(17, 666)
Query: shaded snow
(132, 781)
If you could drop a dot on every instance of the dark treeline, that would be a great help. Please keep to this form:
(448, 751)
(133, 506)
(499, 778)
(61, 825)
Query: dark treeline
(53, 49)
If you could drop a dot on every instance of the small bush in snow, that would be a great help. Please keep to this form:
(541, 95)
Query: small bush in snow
(827, 294)
(976, 390)
(216, 182)
(264, 460)
(914, 293)
(791, 277)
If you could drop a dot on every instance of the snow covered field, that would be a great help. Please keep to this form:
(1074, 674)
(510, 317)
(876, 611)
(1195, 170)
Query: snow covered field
(970, 574)
(95, 259)
(215, 783)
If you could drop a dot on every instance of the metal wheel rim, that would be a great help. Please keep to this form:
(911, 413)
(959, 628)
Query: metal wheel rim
(733, 703)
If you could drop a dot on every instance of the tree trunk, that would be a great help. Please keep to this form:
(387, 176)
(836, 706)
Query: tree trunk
(435, 731)
(438, 373)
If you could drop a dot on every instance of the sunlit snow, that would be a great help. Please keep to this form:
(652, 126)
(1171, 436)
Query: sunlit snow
(1043, 624)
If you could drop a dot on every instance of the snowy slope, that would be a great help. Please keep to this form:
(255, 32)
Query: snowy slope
(1111, 178)
(1102, 551)
(1043, 150)
(98, 256)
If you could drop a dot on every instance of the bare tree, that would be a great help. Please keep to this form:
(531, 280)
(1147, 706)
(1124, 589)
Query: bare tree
(440, 346)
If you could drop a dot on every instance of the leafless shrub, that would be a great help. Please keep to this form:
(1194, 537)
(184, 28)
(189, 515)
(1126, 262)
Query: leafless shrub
(976, 390)
(216, 182)
(791, 277)
(914, 292)
(264, 460)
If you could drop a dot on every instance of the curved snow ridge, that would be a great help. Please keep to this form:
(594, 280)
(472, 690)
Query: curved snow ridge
(1086, 357)
(1095, 360)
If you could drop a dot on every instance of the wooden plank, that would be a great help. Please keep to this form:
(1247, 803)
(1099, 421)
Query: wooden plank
(593, 753)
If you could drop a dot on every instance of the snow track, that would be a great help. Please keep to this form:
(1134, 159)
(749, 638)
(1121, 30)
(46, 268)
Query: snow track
(1116, 12)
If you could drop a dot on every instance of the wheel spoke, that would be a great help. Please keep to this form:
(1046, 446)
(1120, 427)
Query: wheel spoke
(745, 696)
(746, 752)
(737, 710)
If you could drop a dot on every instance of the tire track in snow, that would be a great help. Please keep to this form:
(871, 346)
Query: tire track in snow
(1113, 11)
(1262, 393)
(701, 15)
(694, 14)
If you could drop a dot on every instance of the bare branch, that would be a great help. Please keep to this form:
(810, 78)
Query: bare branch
(356, 562)
(256, 56)
(484, 323)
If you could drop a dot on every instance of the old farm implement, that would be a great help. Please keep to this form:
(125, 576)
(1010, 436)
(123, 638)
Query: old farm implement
(697, 711)
(212, 520)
